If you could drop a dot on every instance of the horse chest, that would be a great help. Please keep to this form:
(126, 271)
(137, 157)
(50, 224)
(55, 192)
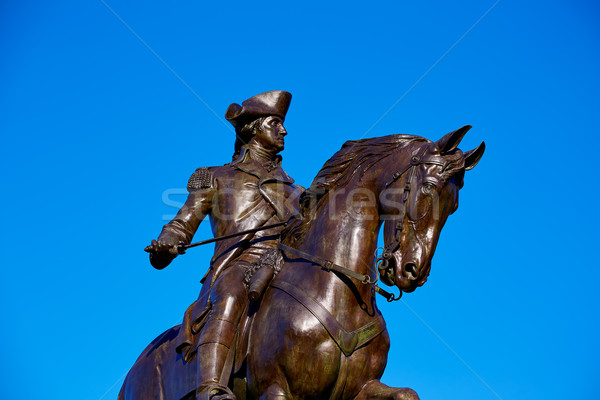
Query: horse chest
(347, 340)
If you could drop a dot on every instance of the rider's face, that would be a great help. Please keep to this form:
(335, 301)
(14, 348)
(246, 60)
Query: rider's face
(270, 134)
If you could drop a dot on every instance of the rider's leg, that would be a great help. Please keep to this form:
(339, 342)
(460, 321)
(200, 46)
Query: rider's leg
(228, 297)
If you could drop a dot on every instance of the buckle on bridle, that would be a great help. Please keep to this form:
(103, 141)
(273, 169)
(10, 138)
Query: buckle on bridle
(367, 280)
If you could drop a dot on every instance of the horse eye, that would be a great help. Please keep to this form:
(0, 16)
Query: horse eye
(428, 187)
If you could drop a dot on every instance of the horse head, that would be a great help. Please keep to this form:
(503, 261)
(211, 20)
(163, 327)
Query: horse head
(420, 197)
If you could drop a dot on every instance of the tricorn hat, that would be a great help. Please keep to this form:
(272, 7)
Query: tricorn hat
(274, 102)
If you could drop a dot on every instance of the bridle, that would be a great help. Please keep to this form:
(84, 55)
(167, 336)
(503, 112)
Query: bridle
(382, 262)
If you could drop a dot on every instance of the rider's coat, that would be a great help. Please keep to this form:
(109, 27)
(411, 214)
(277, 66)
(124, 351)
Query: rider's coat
(239, 196)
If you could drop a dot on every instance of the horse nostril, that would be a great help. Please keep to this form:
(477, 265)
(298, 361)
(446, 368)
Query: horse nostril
(410, 271)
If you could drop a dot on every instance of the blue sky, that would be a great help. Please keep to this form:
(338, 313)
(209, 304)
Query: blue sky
(100, 121)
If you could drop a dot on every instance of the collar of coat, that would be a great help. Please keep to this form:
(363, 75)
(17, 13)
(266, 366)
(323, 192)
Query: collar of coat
(245, 163)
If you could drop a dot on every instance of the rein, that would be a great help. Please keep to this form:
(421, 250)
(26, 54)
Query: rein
(329, 266)
(182, 247)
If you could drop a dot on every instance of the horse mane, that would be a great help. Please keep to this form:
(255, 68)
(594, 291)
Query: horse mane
(355, 157)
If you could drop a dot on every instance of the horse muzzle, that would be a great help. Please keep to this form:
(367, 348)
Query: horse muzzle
(410, 273)
(405, 278)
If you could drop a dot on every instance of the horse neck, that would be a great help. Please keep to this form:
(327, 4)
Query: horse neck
(347, 237)
(345, 231)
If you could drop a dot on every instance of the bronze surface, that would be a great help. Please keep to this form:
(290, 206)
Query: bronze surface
(316, 332)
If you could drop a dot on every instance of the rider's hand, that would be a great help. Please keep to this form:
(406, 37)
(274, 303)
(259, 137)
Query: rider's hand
(162, 249)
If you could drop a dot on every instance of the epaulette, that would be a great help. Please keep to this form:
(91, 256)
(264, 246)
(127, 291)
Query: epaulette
(200, 179)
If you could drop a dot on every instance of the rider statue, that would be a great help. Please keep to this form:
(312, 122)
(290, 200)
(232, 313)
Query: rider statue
(252, 191)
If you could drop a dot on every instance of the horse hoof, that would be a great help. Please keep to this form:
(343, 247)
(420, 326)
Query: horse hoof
(406, 394)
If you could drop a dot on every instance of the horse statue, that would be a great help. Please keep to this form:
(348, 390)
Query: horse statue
(318, 333)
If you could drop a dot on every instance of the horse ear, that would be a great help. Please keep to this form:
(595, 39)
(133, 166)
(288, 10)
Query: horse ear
(451, 140)
(472, 157)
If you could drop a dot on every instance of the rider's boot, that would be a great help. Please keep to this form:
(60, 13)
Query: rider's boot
(215, 341)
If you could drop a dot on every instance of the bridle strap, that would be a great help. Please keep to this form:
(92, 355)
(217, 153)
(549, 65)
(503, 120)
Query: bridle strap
(395, 244)
(411, 168)
(382, 261)
(328, 266)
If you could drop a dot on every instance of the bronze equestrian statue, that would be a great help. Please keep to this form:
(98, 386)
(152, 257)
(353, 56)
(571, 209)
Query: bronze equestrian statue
(252, 191)
(316, 332)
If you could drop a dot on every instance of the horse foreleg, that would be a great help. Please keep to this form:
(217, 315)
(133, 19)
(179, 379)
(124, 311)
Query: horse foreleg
(375, 390)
